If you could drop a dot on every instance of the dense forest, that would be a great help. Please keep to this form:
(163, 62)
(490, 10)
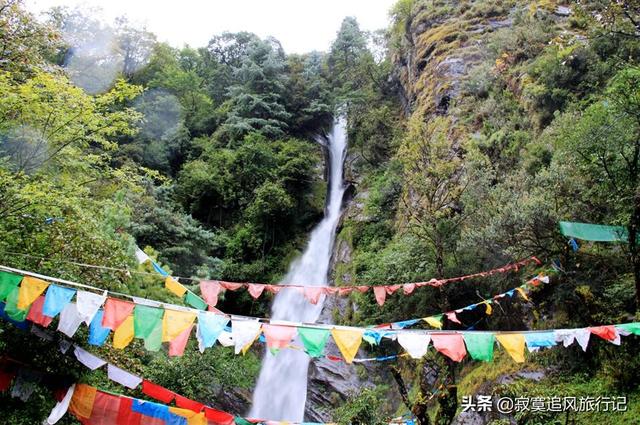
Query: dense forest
(474, 128)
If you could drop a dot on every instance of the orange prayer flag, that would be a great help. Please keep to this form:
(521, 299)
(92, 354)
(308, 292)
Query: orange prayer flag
(30, 289)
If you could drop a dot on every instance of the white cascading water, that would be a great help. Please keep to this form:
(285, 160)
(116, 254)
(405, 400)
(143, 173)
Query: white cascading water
(281, 391)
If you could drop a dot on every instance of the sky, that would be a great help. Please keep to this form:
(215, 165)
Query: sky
(300, 25)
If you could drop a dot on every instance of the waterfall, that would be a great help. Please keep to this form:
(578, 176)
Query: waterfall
(281, 391)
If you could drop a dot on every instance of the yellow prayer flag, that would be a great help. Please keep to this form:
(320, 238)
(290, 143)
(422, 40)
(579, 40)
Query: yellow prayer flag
(489, 309)
(523, 293)
(193, 418)
(433, 322)
(124, 333)
(175, 322)
(514, 344)
(30, 289)
(175, 286)
(348, 341)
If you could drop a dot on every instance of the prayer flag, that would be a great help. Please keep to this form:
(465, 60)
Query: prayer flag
(123, 377)
(453, 317)
(348, 341)
(567, 336)
(88, 304)
(536, 340)
(115, 312)
(97, 333)
(414, 343)
(314, 340)
(177, 346)
(380, 294)
(189, 404)
(244, 333)
(277, 336)
(35, 313)
(147, 324)
(210, 290)
(88, 359)
(451, 346)
(255, 289)
(123, 335)
(633, 328)
(195, 301)
(70, 320)
(175, 322)
(209, 327)
(82, 401)
(514, 344)
(57, 299)
(174, 286)
(313, 294)
(434, 321)
(30, 289)
(608, 333)
(8, 282)
(480, 345)
(11, 308)
(158, 392)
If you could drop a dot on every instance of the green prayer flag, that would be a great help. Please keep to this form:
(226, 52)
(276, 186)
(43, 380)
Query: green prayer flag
(147, 324)
(633, 328)
(240, 421)
(8, 282)
(12, 310)
(480, 345)
(314, 340)
(195, 301)
(594, 232)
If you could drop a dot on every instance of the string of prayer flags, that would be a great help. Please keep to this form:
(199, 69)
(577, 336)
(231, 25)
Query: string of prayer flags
(348, 342)
(480, 345)
(11, 308)
(210, 289)
(514, 345)
(314, 340)
(30, 289)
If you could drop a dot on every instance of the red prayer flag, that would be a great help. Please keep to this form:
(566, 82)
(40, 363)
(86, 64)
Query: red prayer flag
(278, 336)
(451, 346)
(230, 285)
(408, 288)
(608, 333)
(210, 290)
(391, 289)
(362, 288)
(313, 293)
(453, 317)
(344, 291)
(115, 312)
(255, 289)
(35, 313)
(157, 392)
(186, 403)
(218, 417)
(381, 294)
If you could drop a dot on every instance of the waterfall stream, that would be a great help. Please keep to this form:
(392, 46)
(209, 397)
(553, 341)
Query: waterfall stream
(281, 391)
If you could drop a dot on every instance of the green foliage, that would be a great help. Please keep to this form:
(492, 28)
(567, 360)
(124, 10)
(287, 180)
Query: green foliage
(361, 409)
